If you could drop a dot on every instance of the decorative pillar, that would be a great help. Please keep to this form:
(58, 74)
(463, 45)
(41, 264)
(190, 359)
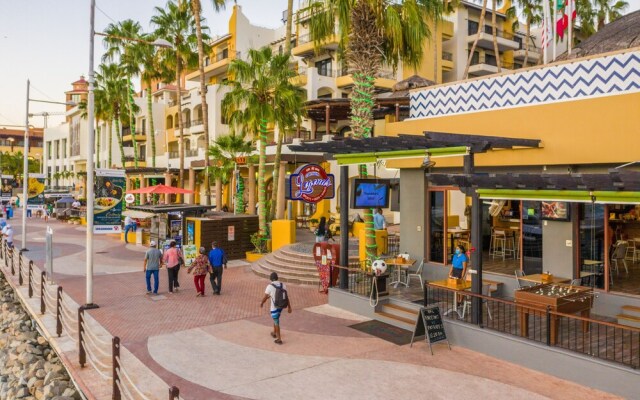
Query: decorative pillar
(280, 200)
(327, 118)
(476, 243)
(218, 194)
(397, 112)
(251, 208)
(344, 226)
(192, 186)
(167, 181)
(143, 184)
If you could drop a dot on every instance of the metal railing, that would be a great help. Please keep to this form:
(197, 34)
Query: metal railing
(473, 29)
(191, 153)
(174, 154)
(103, 355)
(596, 338)
(195, 122)
(447, 56)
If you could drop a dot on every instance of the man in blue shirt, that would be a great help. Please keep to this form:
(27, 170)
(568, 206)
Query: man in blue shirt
(217, 258)
(378, 220)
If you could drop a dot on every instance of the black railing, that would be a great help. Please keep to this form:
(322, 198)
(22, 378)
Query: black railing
(596, 338)
(359, 278)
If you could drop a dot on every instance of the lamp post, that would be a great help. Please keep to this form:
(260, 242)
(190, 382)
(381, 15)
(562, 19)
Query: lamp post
(91, 146)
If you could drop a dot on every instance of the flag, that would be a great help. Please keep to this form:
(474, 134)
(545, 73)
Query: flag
(561, 21)
(546, 27)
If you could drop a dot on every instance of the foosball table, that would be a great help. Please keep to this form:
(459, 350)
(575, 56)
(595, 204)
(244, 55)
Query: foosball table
(558, 297)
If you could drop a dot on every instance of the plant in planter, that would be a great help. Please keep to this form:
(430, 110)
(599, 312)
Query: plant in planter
(259, 242)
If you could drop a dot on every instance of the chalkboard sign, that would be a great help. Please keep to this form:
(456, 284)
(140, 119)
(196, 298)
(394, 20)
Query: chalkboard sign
(429, 324)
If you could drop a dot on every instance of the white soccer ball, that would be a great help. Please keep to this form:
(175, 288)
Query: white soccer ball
(379, 267)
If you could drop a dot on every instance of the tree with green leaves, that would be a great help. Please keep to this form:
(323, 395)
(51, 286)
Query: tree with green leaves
(196, 9)
(531, 10)
(483, 13)
(224, 152)
(175, 23)
(608, 11)
(370, 33)
(260, 93)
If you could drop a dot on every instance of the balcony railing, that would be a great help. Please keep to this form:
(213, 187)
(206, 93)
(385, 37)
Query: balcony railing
(191, 153)
(174, 154)
(195, 122)
(473, 29)
(223, 55)
(447, 56)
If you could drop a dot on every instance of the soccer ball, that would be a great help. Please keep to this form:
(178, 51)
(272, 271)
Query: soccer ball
(379, 267)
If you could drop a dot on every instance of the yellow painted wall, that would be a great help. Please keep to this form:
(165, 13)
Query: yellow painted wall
(283, 232)
(600, 130)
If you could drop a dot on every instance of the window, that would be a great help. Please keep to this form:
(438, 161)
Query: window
(64, 148)
(49, 152)
(436, 226)
(207, 60)
(490, 59)
(472, 27)
(475, 58)
(324, 67)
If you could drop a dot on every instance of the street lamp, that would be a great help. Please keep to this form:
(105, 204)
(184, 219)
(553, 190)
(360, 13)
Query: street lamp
(91, 145)
(25, 165)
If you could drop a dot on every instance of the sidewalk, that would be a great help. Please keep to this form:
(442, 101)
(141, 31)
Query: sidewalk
(219, 347)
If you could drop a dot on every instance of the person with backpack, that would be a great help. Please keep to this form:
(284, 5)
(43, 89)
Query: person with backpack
(277, 292)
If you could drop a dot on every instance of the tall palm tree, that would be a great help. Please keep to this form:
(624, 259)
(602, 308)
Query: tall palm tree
(176, 24)
(494, 33)
(532, 12)
(260, 93)
(197, 11)
(483, 13)
(150, 71)
(608, 11)
(128, 54)
(225, 150)
(372, 32)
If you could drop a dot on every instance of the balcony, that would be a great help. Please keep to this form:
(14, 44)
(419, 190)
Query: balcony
(534, 55)
(129, 163)
(305, 46)
(140, 137)
(488, 66)
(506, 41)
(301, 78)
(191, 153)
(385, 80)
(447, 61)
(174, 154)
(218, 66)
(447, 30)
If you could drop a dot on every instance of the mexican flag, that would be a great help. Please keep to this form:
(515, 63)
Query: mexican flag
(563, 8)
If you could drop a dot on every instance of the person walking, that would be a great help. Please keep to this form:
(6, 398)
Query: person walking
(321, 230)
(129, 224)
(7, 232)
(379, 222)
(277, 292)
(200, 267)
(218, 259)
(172, 259)
(152, 261)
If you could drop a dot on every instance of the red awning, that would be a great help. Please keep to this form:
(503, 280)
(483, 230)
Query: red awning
(160, 189)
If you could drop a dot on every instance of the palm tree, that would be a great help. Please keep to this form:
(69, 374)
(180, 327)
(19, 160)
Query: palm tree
(483, 12)
(287, 34)
(197, 10)
(532, 13)
(176, 24)
(494, 33)
(260, 92)
(371, 32)
(608, 11)
(225, 150)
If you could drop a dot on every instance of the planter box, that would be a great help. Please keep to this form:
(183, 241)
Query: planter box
(253, 257)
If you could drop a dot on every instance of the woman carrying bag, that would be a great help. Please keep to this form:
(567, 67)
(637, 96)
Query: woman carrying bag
(172, 258)
(200, 267)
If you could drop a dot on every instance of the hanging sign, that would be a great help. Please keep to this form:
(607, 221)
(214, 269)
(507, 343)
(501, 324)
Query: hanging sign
(35, 191)
(7, 188)
(311, 183)
(231, 233)
(129, 198)
(107, 205)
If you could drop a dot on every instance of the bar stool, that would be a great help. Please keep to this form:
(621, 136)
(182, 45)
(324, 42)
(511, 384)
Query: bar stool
(499, 242)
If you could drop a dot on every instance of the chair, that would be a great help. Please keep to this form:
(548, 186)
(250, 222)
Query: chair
(499, 243)
(519, 274)
(618, 254)
(486, 291)
(576, 282)
(417, 273)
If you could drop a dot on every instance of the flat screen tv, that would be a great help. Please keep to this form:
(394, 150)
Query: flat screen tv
(370, 193)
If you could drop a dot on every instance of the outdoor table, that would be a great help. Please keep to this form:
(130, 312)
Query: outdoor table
(454, 284)
(398, 266)
(537, 278)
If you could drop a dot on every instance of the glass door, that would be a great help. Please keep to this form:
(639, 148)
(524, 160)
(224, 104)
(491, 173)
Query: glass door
(531, 238)
(592, 245)
(437, 226)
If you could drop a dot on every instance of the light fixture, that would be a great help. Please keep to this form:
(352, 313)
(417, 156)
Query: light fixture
(427, 162)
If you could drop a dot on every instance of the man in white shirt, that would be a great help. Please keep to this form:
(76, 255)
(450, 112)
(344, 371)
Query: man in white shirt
(270, 293)
(129, 224)
(75, 204)
(7, 232)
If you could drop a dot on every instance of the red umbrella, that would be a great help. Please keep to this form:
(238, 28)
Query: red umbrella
(160, 189)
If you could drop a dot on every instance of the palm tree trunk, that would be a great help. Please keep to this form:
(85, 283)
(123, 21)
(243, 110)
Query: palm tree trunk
(287, 35)
(180, 126)
(526, 46)
(475, 41)
(119, 131)
(262, 193)
(151, 125)
(110, 143)
(203, 100)
(496, 50)
(275, 198)
(98, 144)
(218, 194)
(132, 124)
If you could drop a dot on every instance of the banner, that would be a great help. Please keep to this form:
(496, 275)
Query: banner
(109, 195)
(35, 192)
(7, 188)
(190, 253)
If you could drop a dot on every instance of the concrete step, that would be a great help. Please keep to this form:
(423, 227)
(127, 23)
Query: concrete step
(287, 252)
(629, 320)
(279, 257)
(633, 311)
(392, 319)
(275, 261)
(288, 271)
(284, 277)
(396, 309)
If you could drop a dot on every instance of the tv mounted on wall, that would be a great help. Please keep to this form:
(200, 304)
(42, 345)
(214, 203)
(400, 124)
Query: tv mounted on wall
(556, 210)
(370, 193)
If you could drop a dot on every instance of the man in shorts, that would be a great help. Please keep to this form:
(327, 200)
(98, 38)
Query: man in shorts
(270, 293)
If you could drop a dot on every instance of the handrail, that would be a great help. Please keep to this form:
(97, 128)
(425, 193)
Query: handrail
(123, 372)
(122, 388)
(96, 343)
(601, 322)
(98, 370)
(95, 359)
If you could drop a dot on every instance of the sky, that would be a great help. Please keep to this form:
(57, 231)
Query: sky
(47, 41)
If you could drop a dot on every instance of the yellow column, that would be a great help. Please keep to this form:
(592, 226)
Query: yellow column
(251, 206)
(283, 233)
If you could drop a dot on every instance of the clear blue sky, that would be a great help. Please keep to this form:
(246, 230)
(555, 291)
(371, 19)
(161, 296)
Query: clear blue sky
(47, 41)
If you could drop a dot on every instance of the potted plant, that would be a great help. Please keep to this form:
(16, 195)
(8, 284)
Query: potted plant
(259, 243)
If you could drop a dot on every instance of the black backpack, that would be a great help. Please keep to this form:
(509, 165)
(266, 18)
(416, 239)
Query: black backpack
(281, 298)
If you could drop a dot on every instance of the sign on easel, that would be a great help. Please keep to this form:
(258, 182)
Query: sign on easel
(429, 324)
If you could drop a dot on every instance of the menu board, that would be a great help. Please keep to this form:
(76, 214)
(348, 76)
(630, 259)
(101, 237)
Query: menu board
(7, 188)
(190, 253)
(35, 191)
(108, 202)
(429, 324)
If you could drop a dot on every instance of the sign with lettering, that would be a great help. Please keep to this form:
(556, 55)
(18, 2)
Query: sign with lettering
(310, 183)
(429, 325)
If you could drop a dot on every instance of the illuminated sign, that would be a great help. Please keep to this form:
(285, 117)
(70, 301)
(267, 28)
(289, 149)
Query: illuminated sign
(310, 183)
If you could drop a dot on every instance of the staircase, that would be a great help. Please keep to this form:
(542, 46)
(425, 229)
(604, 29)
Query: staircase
(630, 316)
(401, 315)
(290, 265)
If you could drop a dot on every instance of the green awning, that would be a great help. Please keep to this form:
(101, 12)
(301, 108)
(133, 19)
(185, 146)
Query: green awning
(582, 196)
(372, 157)
(617, 197)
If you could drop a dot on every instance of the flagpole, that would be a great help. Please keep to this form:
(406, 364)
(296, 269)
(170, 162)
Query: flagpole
(554, 28)
(545, 33)
(569, 43)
